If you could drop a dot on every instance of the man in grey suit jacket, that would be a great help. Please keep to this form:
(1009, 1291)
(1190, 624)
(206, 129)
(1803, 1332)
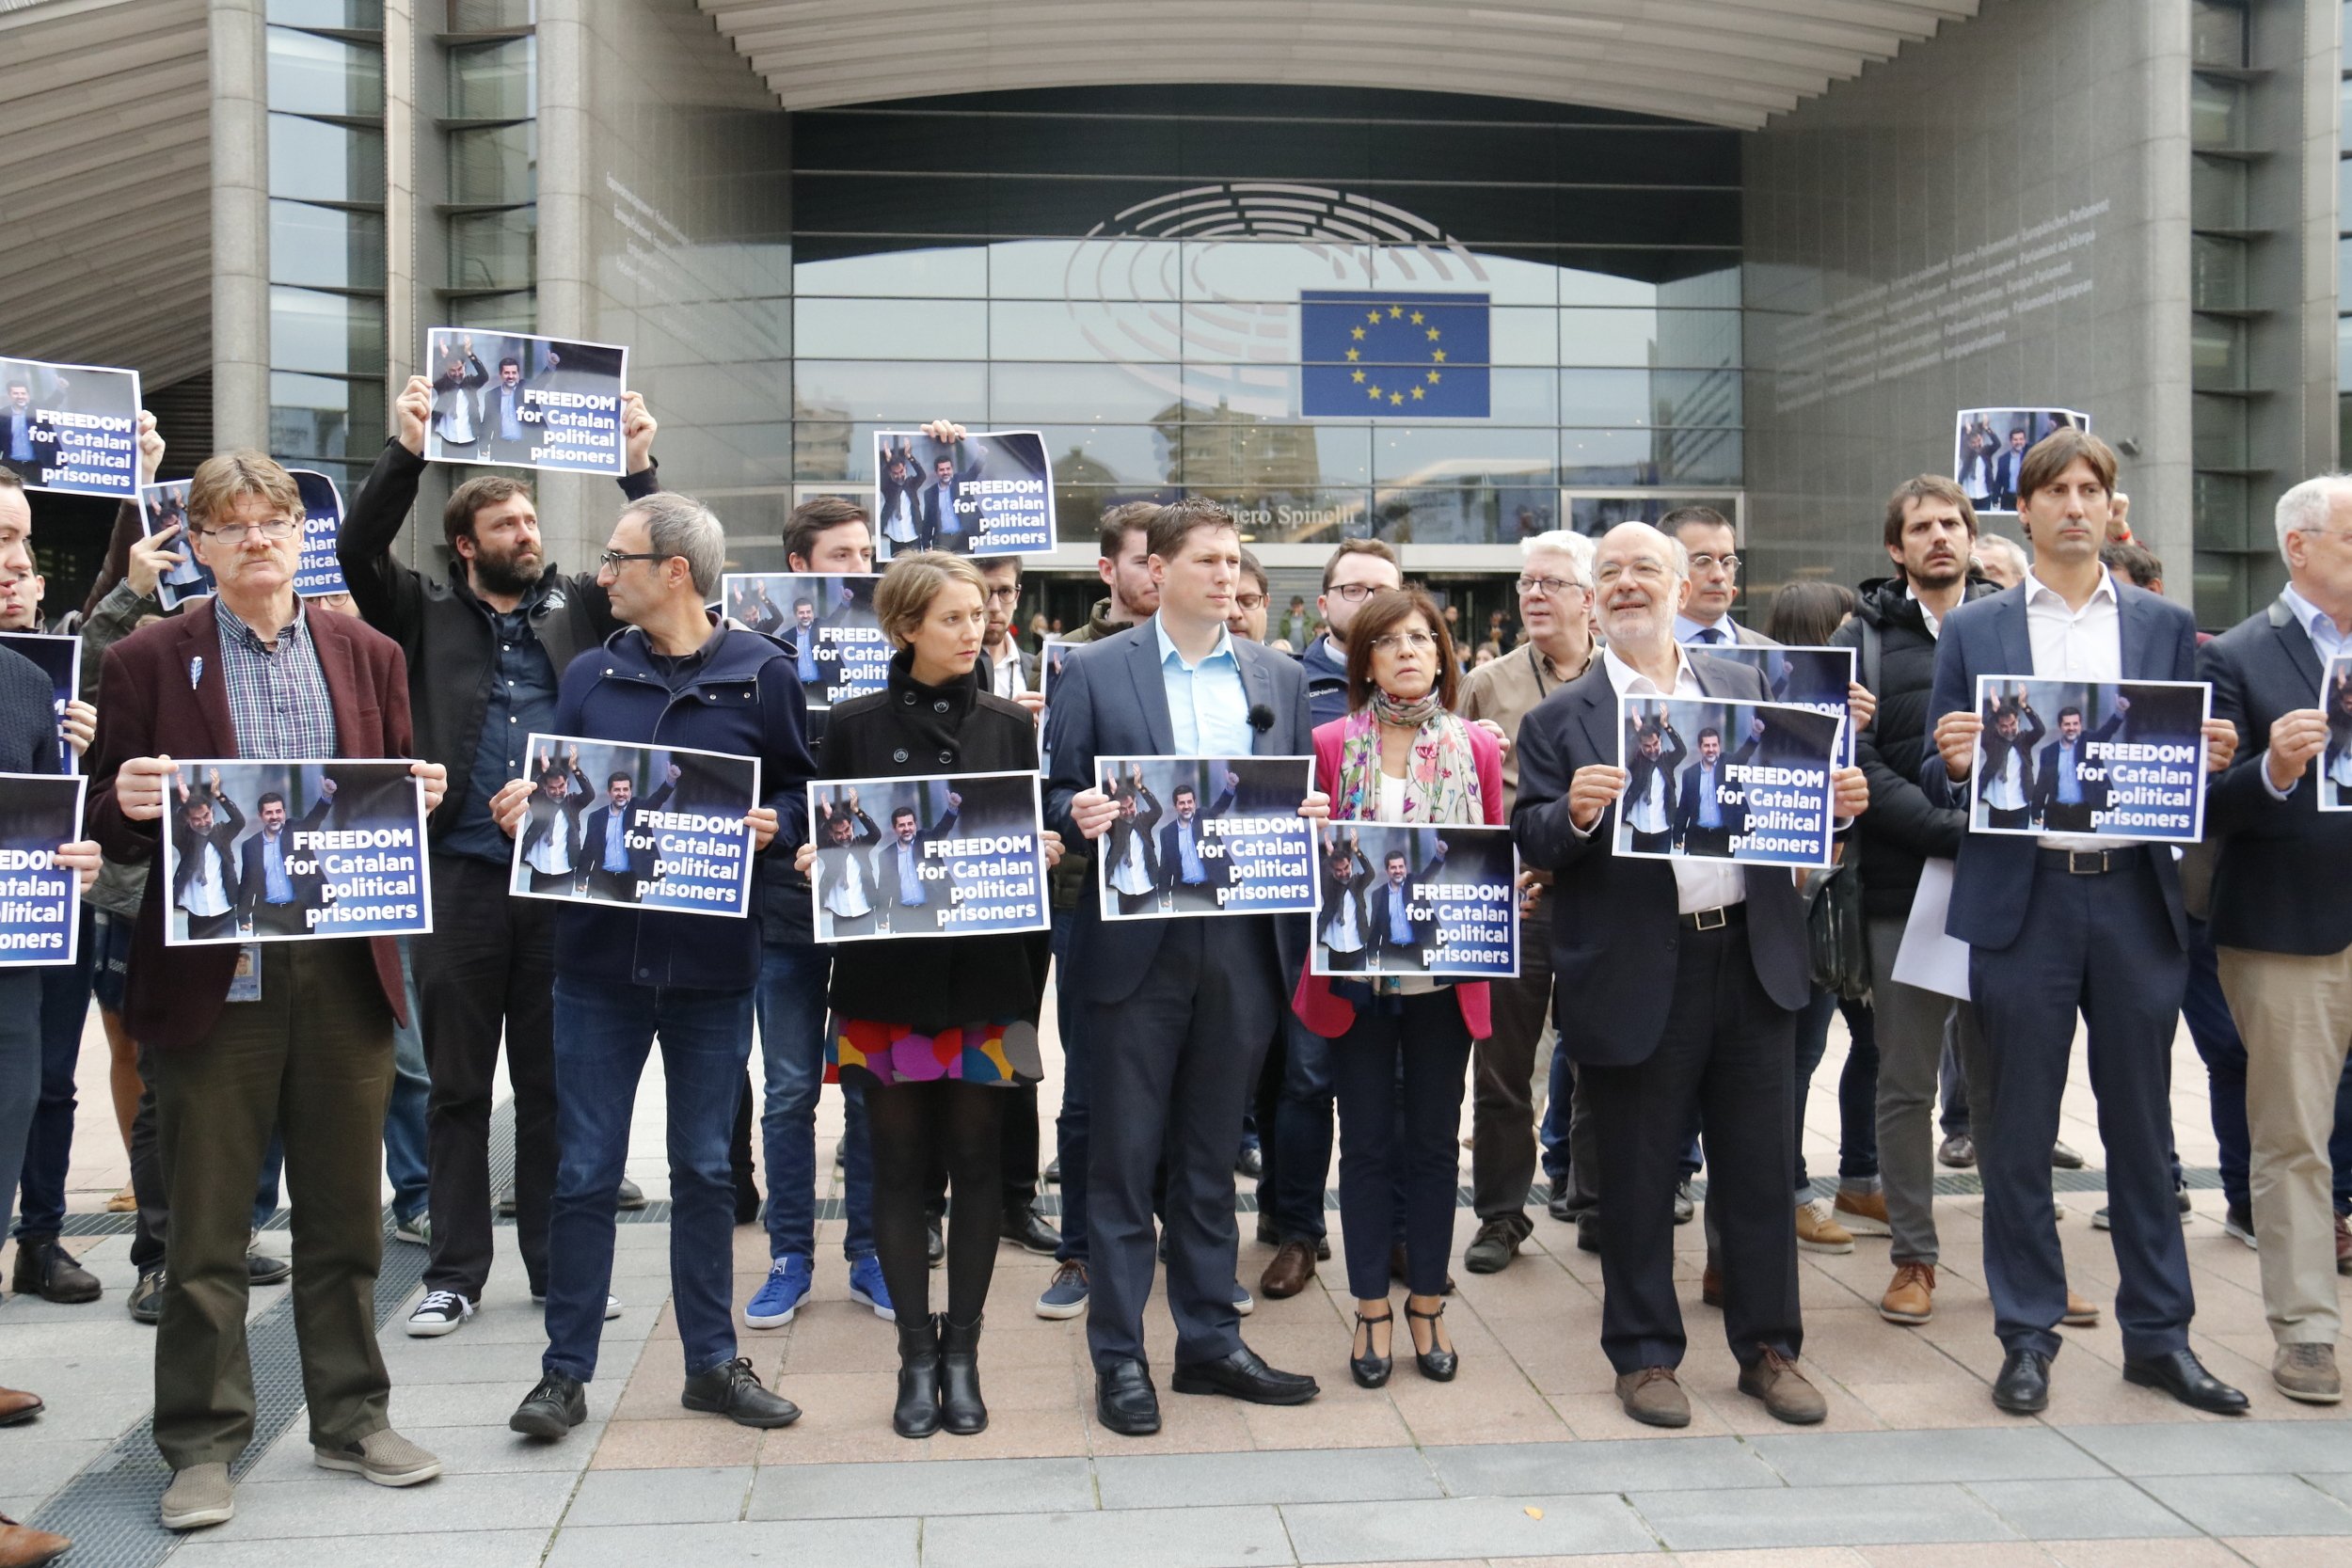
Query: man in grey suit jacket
(1168, 1001)
(2066, 921)
(1712, 545)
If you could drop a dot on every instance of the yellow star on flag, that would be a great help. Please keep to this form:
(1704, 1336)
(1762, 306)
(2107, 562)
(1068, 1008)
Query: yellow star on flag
(1433, 334)
(1357, 332)
(1358, 376)
(1434, 378)
(1416, 394)
(1396, 311)
(1373, 316)
(1376, 395)
(1438, 355)
(1415, 318)
(1355, 354)
(1396, 397)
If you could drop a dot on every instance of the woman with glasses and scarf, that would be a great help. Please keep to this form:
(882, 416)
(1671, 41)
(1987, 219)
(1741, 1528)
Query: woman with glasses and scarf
(1400, 756)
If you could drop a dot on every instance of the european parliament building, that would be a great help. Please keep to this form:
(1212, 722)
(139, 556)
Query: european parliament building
(1441, 273)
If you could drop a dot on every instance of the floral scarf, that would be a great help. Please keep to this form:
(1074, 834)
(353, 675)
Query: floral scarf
(1441, 781)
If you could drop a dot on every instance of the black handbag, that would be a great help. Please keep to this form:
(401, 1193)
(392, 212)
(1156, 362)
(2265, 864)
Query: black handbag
(1837, 939)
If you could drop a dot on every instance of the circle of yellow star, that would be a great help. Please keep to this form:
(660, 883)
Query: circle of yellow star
(1433, 334)
(1376, 395)
(1434, 377)
(1416, 394)
(1396, 311)
(1415, 318)
(1358, 376)
(1373, 316)
(1397, 397)
(1358, 333)
(1355, 354)
(1437, 356)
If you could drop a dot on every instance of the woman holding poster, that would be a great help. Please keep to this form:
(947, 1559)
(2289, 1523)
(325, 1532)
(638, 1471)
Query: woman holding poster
(1401, 755)
(934, 1027)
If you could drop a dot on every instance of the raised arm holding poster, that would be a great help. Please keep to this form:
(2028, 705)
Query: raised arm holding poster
(1722, 780)
(524, 402)
(61, 659)
(1817, 678)
(991, 493)
(73, 428)
(319, 572)
(1205, 835)
(2123, 760)
(954, 856)
(652, 827)
(830, 622)
(284, 851)
(1431, 901)
(165, 506)
(41, 903)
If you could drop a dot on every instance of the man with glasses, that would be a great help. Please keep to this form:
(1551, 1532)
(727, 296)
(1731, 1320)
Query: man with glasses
(1011, 673)
(1714, 548)
(1246, 618)
(1556, 594)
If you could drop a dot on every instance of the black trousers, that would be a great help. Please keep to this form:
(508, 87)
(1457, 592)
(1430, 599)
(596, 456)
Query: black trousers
(487, 971)
(1397, 1148)
(1996, 818)
(1729, 1054)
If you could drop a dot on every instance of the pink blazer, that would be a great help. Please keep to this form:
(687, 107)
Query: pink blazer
(1332, 1016)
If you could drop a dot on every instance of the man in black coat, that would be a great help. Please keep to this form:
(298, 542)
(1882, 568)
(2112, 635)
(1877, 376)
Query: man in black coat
(1403, 927)
(1653, 753)
(204, 860)
(1705, 821)
(1343, 919)
(1131, 852)
(1193, 865)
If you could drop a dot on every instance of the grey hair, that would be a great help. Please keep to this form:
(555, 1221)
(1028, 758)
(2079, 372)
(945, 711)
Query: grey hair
(684, 527)
(1578, 548)
(2304, 509)
(2003, 542)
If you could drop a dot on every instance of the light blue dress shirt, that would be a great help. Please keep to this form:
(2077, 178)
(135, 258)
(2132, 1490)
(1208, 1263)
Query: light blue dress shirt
(910, 880)
(1208, 708)
(1710, 801)
(1722, 634)
(2070, 784)
(615, 839)
(278, 888)
(1188, 851)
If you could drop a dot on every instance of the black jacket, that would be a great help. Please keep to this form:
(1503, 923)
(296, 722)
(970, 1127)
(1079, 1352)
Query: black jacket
(932, 983)
(445, 631)
(1902, 828)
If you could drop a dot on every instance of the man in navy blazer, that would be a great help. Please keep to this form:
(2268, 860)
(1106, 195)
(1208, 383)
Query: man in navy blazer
(1169, 1000)
(1679, 983)
(2066, 921)
(2281, 923)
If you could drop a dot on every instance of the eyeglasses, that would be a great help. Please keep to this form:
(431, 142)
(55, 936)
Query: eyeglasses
(1354, 592)
(1250, 601)
(1546, 588)
(2339, 534)
(1641, 571)
(1730, 563)
(613, 559)
(1406, 641)
(1004, 596)
(236, 533)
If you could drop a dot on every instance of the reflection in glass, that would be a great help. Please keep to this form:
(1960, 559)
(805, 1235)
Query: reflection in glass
(2217, 352)
(313, 75)
(904, 392)
(514, 312)
(317, 162)
(1470, 453)
(494, 81)
(1681, 339)
(952, 272)
(2219, 427)
(339, 334)
(890, 329)
(2217, 271)
(2214, 108)
(494, 164)
(328, 247)
(1109, 454)
(493, 251)
(313, 416)
(1597, 514)
(356, 16)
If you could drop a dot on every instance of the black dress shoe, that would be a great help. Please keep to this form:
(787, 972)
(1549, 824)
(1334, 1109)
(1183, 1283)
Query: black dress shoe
(935, 1243)
(1557, 1205)
(1244, 1375)
(2024, 1386)
(732, 1389)
(1125, 1400)
(1053, 1171)
(45, 1269)
(1026, 1228)
(1436, 1365)
(552, 1409)
(1250, 1163)
(2183, 1376)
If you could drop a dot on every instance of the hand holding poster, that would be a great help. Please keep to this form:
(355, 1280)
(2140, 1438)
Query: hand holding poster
(524, 402)
(1205, 835)
(2111, 759)
(165, 506)
(1719, 780)
(1990, 443)
(277, 851)
(954, 856)
(319, 572)
(1817, 678)
(1432, 901)
(988, 493)
(60, 659)
(2335, 758)
(652, 827)
(836, 638)
(73, 428)
(41, 903)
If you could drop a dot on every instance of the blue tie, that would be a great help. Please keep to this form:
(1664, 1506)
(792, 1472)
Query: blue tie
(1711, 634)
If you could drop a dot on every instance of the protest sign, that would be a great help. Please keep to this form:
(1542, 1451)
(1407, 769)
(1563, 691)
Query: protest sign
(162, 506)
(1428, 900)
(836, 638)
(319, 572)
(280, 851)
(1989, 444)
(1711, 779)
(651, 827)
(60, 659)
(2111, 759)
(954, 856)
(73, 428)
(524, 402)
(41, 903)
(2335, 760)
(1817, 679)
(989, 494)
(1205, 835)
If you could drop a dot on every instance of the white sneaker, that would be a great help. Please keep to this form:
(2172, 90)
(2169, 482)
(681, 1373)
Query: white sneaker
(440, 1312)
(611, 1305)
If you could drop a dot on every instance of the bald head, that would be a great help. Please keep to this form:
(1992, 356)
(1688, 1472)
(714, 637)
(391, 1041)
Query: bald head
(1641, 580)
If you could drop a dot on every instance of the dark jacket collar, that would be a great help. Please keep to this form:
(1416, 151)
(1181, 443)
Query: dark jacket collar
(960, 696)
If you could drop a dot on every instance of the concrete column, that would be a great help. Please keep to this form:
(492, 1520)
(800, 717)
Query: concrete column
(239, 131)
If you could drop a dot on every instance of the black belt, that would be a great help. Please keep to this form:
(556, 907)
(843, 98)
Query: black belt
(2088, 863)
(1714, 919)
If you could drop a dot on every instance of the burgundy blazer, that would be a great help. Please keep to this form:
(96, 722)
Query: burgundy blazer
(147, 708)
(1314, 1000)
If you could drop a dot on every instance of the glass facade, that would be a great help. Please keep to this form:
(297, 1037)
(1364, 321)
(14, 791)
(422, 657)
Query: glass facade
(491, 135)
(1124, 269)
(2231, 574)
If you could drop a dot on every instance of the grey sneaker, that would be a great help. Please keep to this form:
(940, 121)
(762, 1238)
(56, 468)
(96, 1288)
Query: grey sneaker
(384, 1457)
(2307, 1372)
(199, 1496)
(416, 1229)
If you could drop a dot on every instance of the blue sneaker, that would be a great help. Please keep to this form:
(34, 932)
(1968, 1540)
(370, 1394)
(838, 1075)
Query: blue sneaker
(781, 1297)
(865, 1286)
(1066, 1297)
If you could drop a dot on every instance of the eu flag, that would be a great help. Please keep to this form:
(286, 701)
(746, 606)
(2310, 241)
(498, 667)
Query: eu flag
(1374, 352)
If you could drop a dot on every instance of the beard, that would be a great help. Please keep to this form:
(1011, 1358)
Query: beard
(516, 573)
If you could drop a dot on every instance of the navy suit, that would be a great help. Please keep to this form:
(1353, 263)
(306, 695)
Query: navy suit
(2046, 944)
(1177, 1012)
(1216, 871)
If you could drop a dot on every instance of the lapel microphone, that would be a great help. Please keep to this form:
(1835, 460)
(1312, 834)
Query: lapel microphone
(1260, 718)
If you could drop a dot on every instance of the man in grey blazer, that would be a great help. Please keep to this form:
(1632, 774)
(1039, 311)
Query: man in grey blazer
(1712, 547)
(2066, 923)
(1168, 1002)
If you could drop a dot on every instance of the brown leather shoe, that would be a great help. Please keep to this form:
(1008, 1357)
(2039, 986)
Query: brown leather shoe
(22, 1547)
(2081, 1312)
(1293, 1265)
(1712, 1288)
(1910, 1299)
(1654, 1398)
(2344, 1245)
(1774, 1379)
(16, 1405)
(1861, 1213)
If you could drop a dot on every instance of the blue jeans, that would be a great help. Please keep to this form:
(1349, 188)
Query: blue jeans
(791, 1006)
(404, 1118)
(603, 1033)
(1857, 1088)
(1069, 1127)
(49, 1146)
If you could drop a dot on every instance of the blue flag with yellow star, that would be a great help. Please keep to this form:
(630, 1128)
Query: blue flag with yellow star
(1374, 352)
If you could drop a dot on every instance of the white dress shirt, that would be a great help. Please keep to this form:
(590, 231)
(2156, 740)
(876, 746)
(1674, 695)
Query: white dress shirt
(208, 889)
(1703, 884)
(2085, 644)
(1004, 672)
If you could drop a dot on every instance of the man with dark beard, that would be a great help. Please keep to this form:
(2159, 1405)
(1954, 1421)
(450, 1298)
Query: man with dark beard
(484, 645)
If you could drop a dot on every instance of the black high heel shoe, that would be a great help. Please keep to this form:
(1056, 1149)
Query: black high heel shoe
(1438, 1366)
(1369, 1370)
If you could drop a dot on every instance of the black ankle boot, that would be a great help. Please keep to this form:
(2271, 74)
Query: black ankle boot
(918, 1414)
(960, 1377)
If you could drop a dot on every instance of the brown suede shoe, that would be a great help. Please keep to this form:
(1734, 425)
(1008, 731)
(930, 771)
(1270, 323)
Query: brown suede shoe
(1293, 1265)
(22, 1547)
(2081, 1312)
(1654, 1398)
(2308, 1372)
(1774, 1379)
(1910, 1299)
(1712, 1288)
(1861, 1213)
(16, 1405)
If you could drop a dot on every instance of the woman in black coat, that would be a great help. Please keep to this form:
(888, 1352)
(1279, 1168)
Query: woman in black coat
(931, 1028)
